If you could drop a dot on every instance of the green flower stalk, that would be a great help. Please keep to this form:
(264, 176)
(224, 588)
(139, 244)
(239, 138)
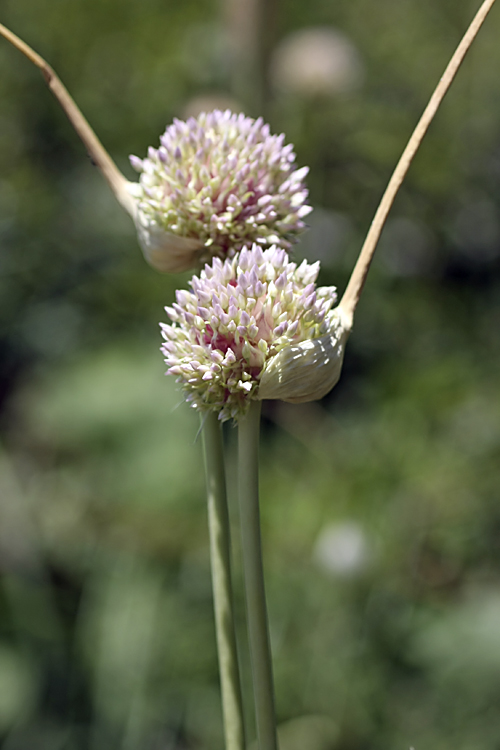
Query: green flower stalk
(220, 564)
(251, 545)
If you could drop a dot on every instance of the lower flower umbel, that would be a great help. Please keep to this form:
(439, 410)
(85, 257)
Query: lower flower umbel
(252, 327)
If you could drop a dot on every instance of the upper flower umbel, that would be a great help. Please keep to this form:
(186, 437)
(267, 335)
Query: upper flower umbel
(254, 327)
(217, 183)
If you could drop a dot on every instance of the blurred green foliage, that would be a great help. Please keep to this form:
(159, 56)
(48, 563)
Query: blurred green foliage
(381, 505)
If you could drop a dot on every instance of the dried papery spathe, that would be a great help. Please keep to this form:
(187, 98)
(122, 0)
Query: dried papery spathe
(165, 251)
(309, 370)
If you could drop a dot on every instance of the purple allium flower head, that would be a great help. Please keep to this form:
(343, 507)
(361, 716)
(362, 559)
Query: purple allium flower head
(254, 327)
(216, 184)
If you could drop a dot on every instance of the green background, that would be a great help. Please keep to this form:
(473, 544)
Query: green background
(106, 626)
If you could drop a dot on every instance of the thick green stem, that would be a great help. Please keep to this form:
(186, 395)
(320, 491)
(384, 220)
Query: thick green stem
(220, 559)
(258, 629)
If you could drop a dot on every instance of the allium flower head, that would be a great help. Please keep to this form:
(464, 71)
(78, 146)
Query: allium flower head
(254, 327)
(216, 184)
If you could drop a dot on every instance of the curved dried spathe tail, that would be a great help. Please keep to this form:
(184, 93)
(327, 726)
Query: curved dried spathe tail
(162, 250)
(354, 288)
(309, 370)
(115, 179)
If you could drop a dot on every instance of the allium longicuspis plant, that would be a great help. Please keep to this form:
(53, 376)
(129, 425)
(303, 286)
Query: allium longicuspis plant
(221, 182)
(254, 327)
(224, 350)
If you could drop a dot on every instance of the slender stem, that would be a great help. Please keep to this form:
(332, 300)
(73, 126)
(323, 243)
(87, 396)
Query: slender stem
(220, 558)
(356, 282)
(115, 179)
(258, 629)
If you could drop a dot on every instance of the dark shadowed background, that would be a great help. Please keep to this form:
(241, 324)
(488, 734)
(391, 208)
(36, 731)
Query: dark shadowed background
(380, 504)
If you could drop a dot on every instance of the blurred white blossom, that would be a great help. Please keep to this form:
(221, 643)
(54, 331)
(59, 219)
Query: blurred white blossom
(316, 61)
(342, 549)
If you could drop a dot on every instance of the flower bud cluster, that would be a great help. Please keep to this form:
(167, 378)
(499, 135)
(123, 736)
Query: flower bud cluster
(237, 318)
(219, 182)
